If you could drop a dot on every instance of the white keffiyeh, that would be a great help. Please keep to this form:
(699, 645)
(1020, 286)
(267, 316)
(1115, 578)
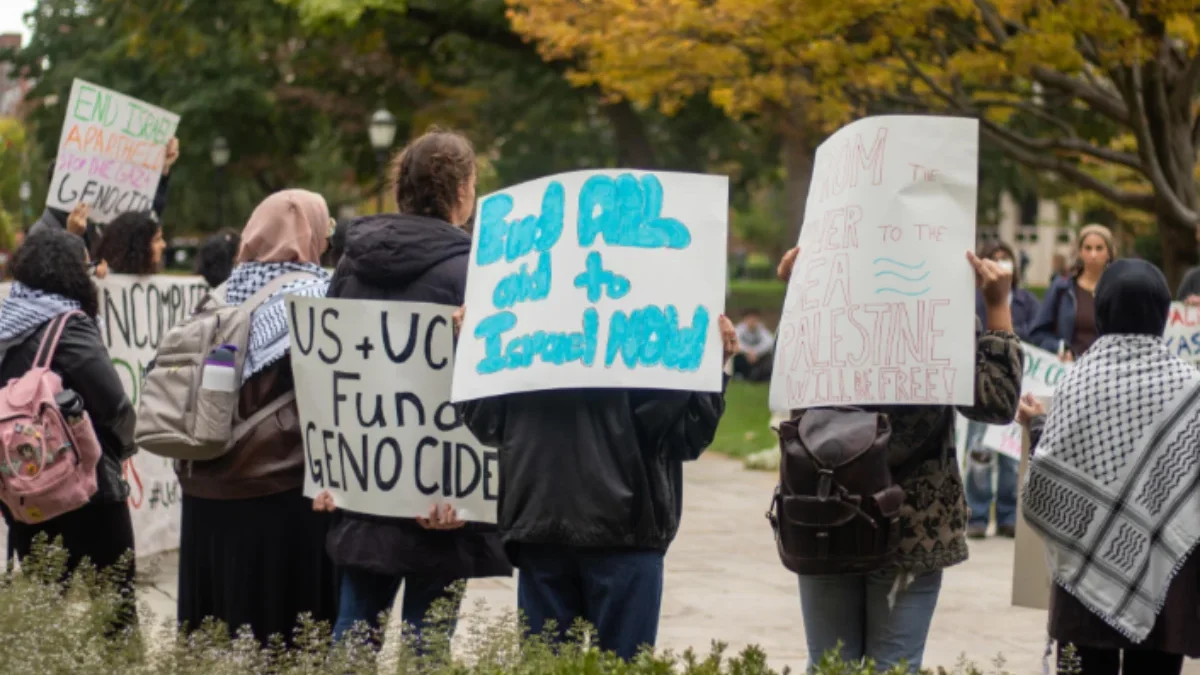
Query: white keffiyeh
(1114, 488)
(268, 323)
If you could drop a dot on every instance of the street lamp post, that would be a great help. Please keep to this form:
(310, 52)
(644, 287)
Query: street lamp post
(25, 192)
(219, 154)
(382, 132)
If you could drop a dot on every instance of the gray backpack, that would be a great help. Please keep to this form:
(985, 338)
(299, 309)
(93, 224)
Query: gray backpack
(181, 415)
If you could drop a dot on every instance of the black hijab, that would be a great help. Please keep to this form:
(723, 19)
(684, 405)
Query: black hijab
(1132, 298)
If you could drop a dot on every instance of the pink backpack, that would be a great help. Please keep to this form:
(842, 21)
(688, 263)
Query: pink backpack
(47, 462)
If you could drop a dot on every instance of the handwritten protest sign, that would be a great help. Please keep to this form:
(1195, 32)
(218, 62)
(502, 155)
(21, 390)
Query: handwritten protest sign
(881, 303)
(1183, 332)
(380, 433)
(135, 312)
(110, 153)
(596, 279)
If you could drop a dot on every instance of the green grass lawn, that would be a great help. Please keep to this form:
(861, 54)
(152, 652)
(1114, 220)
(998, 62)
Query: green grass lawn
(744, 428)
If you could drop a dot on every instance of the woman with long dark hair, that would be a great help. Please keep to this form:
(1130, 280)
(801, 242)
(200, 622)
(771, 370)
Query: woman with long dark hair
(215, 259)
(51, 279)
(132, 244)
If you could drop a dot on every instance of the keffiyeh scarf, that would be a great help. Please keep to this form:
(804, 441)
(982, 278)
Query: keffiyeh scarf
(1114, 488)
(25, 309)
(268, 323)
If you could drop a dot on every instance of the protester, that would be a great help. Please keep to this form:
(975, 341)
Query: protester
(756, 345)
(418, 255)
(77, 222)
(132, 244)
(1066, 321)
(1058, 268)
(1189, 288)
(885, 615)
(251, 547)
(337, 244)
(1112, 488)
(1023, 306)
(51, 278)
(214, 260)
(591, 495)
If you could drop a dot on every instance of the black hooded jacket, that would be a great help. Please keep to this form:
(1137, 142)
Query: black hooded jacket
(593, 468)
(411, 259)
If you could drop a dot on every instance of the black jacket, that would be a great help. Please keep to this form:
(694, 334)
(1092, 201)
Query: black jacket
(82, 362)
(596, 468)
(413, 259)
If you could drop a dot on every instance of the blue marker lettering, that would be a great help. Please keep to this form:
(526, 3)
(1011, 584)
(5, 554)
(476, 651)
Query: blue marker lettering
(652, 336)
(627, 212)
(522, 350)
(489, 331)
(521, 286)
(511, 240)
(597, 280)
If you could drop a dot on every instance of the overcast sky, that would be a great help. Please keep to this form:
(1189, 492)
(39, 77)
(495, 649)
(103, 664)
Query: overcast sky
(11, 12)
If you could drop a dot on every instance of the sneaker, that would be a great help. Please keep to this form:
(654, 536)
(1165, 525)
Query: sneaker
(1006, 531)
(977, 531)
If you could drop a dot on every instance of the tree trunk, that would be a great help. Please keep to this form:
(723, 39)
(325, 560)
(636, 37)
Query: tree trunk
(798, 163)
(1178, 247)
(634, 150)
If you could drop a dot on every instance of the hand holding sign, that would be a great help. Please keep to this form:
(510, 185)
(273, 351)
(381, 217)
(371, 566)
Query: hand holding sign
(171, 155)
(77, 221)
(994, 280)
(441, 517)
(786, 264)
(729, 341)
(1029, 408)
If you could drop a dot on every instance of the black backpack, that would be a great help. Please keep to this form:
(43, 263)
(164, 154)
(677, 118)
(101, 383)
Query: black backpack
(837, 507)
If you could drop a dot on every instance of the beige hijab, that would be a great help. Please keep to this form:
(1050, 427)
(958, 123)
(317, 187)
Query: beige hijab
(288, 226)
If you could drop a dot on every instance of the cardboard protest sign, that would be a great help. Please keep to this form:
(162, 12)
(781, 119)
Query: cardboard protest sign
(110, 153)
(380, 433)
(610, 278)
(880, 308)
(135, 312)
(1183, 331)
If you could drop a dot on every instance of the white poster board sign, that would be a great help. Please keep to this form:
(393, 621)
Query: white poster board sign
(880, 307)
(135, 312)
(1183, 332)
(611, 278)
(380, 433)
(110, 152)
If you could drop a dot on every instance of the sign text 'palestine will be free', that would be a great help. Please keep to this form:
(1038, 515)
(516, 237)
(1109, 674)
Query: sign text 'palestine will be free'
(609, 278)
(881, 303)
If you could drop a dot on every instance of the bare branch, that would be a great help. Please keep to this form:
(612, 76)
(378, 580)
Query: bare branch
(992, 21)
(1101, 101)
(1036, 160)
(1126, 159)
(1153, 169)
(1185, 89)
(1037, 111)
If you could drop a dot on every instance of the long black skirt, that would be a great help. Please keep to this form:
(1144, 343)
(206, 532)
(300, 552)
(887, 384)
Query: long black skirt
(102, 532)
(255, 562)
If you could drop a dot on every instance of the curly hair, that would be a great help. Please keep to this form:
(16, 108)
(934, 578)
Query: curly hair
(55, 261)
(125, 244)
(214, 261)
(430, 171)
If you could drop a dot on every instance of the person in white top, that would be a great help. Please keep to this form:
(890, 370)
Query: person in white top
(756, 345)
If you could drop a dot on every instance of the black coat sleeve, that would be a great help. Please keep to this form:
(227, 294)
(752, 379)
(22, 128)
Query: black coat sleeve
(86, 368)
(1036, 426)
(680, 424)
(485, 418)
(160, 196)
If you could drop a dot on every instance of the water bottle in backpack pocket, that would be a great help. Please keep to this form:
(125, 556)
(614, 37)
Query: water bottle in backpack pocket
(837, 507)
(48, 448)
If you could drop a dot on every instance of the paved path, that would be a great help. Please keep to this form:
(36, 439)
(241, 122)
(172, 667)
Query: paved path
(724, 581)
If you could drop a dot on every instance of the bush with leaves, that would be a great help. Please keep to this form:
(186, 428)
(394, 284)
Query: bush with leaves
(53, 623)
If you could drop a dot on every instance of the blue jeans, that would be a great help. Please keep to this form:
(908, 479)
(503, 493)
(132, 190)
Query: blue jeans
(365, 595)
(617, 591)
(853, 610)
(979, 481)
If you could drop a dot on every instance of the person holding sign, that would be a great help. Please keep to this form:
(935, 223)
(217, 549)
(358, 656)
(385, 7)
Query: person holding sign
(77, 221)
(418, 255)
(592, 495)
(1066, 322)
(251, 550)
(1112, 487)
(885, 615)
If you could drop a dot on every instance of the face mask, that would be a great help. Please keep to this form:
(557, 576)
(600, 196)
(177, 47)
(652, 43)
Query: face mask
(1006, 265)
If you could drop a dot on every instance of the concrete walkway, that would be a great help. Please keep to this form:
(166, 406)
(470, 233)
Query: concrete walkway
(725, 582)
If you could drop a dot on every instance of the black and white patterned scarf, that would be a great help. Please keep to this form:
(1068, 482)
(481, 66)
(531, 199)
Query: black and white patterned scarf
(1114, 488)
(268, 323)
(25, 310)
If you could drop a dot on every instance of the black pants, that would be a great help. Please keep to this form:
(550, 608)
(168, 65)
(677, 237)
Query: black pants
(1137, 662)
(759, 371)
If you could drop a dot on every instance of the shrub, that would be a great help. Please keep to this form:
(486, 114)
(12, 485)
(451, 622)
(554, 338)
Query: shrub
(54, 625)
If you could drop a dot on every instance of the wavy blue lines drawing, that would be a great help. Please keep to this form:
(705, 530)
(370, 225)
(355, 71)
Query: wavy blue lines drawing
(898, 277)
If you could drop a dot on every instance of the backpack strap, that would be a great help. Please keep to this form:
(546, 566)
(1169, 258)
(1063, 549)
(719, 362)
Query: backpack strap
(50, 337)
(243, 427)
